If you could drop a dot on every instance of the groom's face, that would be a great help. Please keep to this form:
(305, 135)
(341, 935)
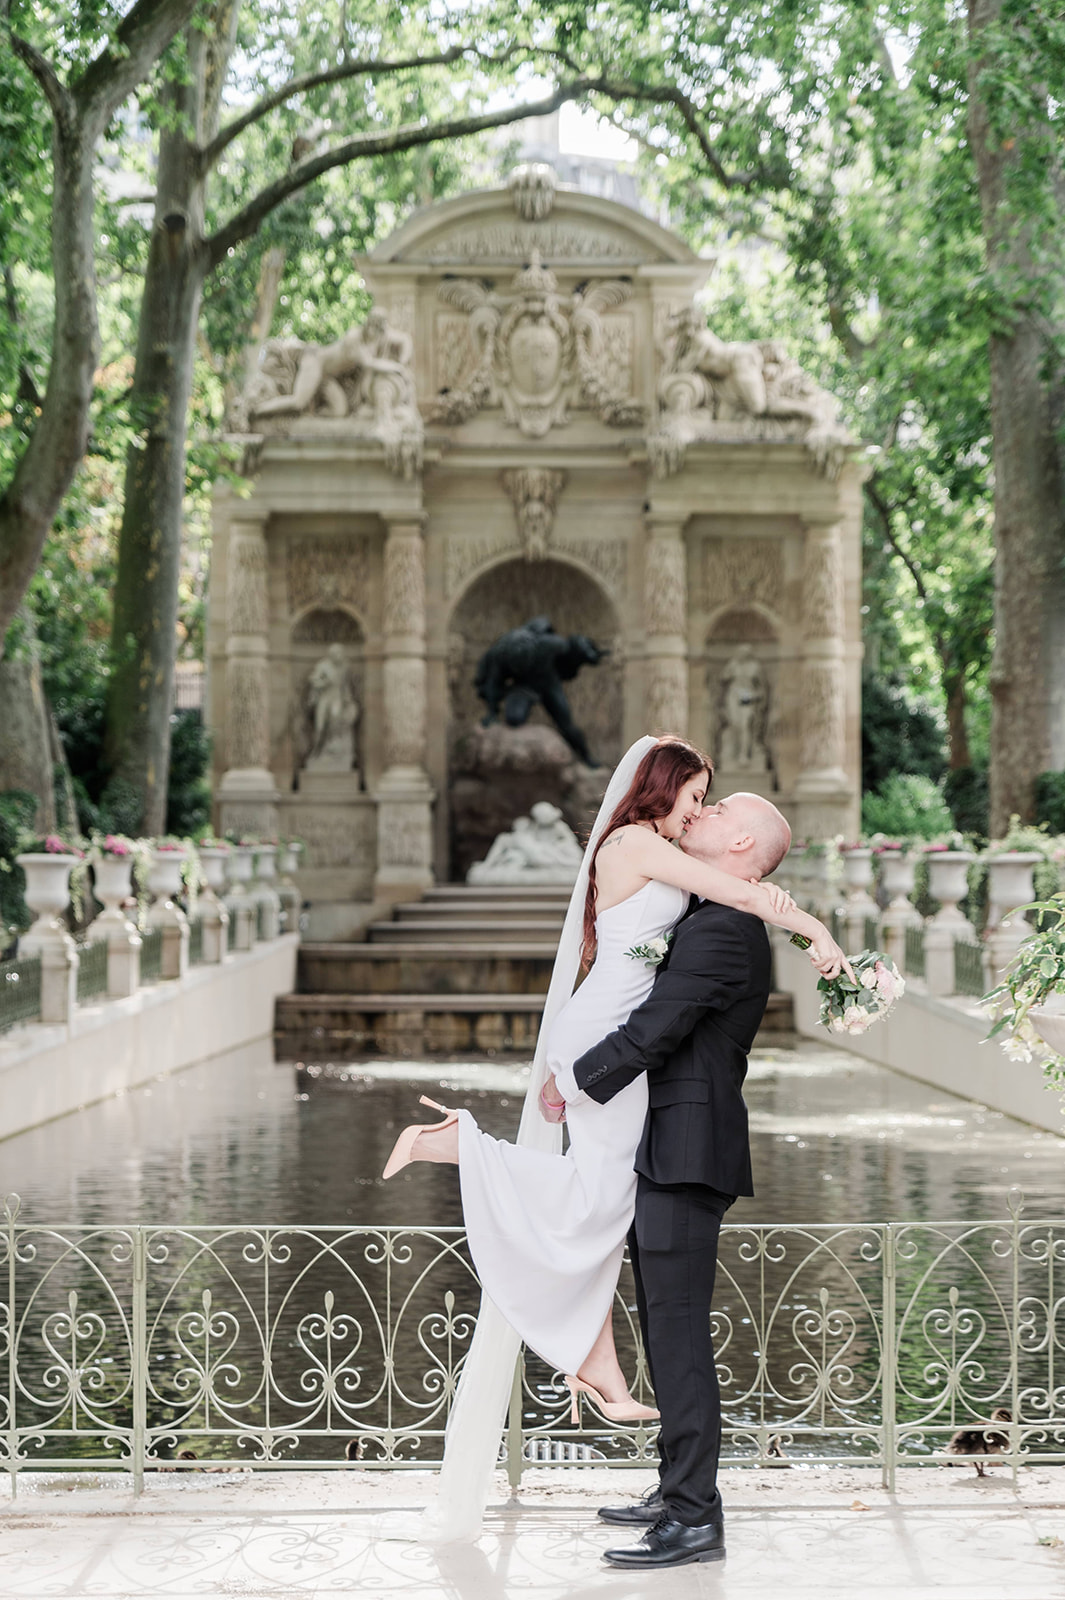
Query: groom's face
(711, 835)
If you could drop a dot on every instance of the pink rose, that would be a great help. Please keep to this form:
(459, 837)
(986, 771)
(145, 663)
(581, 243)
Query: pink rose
(885, 981)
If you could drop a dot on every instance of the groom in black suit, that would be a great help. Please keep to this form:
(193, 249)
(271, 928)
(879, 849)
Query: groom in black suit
(691, 1036)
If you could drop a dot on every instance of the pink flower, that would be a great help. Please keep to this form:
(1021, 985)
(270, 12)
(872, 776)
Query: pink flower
(885, 981)
(855, 1019)
(115, 847)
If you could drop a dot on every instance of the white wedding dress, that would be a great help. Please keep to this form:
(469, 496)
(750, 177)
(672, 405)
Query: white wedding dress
(547, 1231)
(540, 1197)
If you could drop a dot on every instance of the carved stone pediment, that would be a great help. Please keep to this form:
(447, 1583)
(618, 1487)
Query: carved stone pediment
(534, 351)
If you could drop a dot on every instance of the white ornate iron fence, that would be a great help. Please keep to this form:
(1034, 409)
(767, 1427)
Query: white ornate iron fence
(282, 1347)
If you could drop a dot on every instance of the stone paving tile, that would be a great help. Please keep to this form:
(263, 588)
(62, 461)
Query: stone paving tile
(183, 1540)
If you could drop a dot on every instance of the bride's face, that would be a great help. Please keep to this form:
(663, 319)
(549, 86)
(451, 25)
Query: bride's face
(686, 807)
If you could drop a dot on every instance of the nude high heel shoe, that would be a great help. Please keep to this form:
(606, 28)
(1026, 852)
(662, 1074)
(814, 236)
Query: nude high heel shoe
(629, 1410)
(403, 1149)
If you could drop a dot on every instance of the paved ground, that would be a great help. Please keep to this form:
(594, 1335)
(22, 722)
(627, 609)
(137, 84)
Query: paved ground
(799, 1533)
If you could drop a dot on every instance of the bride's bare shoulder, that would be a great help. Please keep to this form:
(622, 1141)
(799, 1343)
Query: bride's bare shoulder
(636, 846)
(628, 837)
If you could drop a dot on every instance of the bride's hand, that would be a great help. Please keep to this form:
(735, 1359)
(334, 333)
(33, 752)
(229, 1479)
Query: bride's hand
(828, 958)
(552, 1105)
(780, 900)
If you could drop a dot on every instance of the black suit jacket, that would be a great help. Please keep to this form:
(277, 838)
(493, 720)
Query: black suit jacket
(691, 1036)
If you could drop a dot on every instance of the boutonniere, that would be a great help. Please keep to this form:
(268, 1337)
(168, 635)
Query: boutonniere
(653, 952)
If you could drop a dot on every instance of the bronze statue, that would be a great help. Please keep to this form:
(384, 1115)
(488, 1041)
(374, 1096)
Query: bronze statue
(527, 667)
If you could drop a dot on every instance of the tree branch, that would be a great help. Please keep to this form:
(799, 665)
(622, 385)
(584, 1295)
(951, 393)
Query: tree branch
(140, 39)
(315, 80)
(246, 221)
(54, 91)
(842, 327)
(883, 511)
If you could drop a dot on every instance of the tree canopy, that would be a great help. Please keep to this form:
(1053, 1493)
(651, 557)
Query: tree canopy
(898, 166)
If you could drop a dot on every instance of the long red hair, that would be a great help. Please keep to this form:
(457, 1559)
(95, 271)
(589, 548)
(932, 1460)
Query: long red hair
(650, 797)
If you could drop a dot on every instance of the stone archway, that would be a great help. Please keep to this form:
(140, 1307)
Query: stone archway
(495, 774)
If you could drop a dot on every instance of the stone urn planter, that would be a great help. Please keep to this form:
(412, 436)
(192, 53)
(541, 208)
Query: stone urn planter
(898, 871)
(238, 902)
(1048, 1020)
(215, 859)
(263, 893)
(47, 886)
(858, 872)
(48, 895)
(287, 888)
(214, 918)
(164, 874)
(1009, 883)
(164, 883)
(112, 882)
(948, 882)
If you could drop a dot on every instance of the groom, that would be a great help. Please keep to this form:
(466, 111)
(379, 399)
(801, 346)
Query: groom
(691, 1036)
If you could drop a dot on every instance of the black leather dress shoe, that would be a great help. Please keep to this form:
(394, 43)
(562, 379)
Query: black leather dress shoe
(672, 1544)
(648, 1508)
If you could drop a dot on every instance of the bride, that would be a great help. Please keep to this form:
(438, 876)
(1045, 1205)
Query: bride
(547, 1231)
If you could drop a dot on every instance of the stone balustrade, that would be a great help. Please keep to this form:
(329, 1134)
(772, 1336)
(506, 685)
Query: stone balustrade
(126, 948)
(868, 896)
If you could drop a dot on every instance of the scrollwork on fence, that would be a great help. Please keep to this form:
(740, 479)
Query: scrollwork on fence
(302, 1346)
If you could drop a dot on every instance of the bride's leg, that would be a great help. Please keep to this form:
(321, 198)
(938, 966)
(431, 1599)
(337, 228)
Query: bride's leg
(601, 1367)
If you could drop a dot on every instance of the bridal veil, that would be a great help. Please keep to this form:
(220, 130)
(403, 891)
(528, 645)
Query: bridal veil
(475, 1425)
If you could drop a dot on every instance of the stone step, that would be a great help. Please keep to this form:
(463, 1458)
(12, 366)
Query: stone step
(458, 966)
(506, 931)
(319, 1027)
(470, 891)
(431, 911)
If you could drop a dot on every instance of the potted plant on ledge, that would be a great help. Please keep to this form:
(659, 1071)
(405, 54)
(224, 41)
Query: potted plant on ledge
(1028, 1007)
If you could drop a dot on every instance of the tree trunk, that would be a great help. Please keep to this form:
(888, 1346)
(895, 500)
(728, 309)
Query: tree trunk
(59, 439)
(958, 753)
(25, 733)
(144, 626)
(1028, 666)
(149, 551)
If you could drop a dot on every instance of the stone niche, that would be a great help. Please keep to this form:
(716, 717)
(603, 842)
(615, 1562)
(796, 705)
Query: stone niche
(497, 773)
(533, 420)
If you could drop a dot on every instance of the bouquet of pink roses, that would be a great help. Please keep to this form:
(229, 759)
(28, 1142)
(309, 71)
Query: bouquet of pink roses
(850, 1006)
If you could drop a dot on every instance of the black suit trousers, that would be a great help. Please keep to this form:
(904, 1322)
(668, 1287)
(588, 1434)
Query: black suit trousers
(673, 1248)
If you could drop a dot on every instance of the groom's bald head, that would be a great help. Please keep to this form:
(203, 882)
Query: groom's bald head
(744, 834)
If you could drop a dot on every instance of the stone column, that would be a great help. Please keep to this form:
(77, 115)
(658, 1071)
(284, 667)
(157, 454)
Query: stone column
(404, 795)
(247, 793)
(665, 610)
(822, 788)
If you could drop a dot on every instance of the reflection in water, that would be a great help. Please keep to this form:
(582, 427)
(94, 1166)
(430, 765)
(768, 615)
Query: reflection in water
(240, 1140)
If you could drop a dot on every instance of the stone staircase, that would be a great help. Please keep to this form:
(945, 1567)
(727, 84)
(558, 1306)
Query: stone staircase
(462, 971)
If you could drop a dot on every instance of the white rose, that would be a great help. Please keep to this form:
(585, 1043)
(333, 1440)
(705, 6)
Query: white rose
(869, 979)
(855, 1018)
(658, 946)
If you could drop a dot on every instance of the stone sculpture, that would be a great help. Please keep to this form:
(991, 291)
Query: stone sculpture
(535, 351)
(333, 713)
(709, 387)
(744, 706)
(527, 667)
(535, 492)
(539, 848)
(365, 375)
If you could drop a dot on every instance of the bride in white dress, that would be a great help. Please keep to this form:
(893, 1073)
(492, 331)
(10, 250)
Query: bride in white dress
(547, 1231)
